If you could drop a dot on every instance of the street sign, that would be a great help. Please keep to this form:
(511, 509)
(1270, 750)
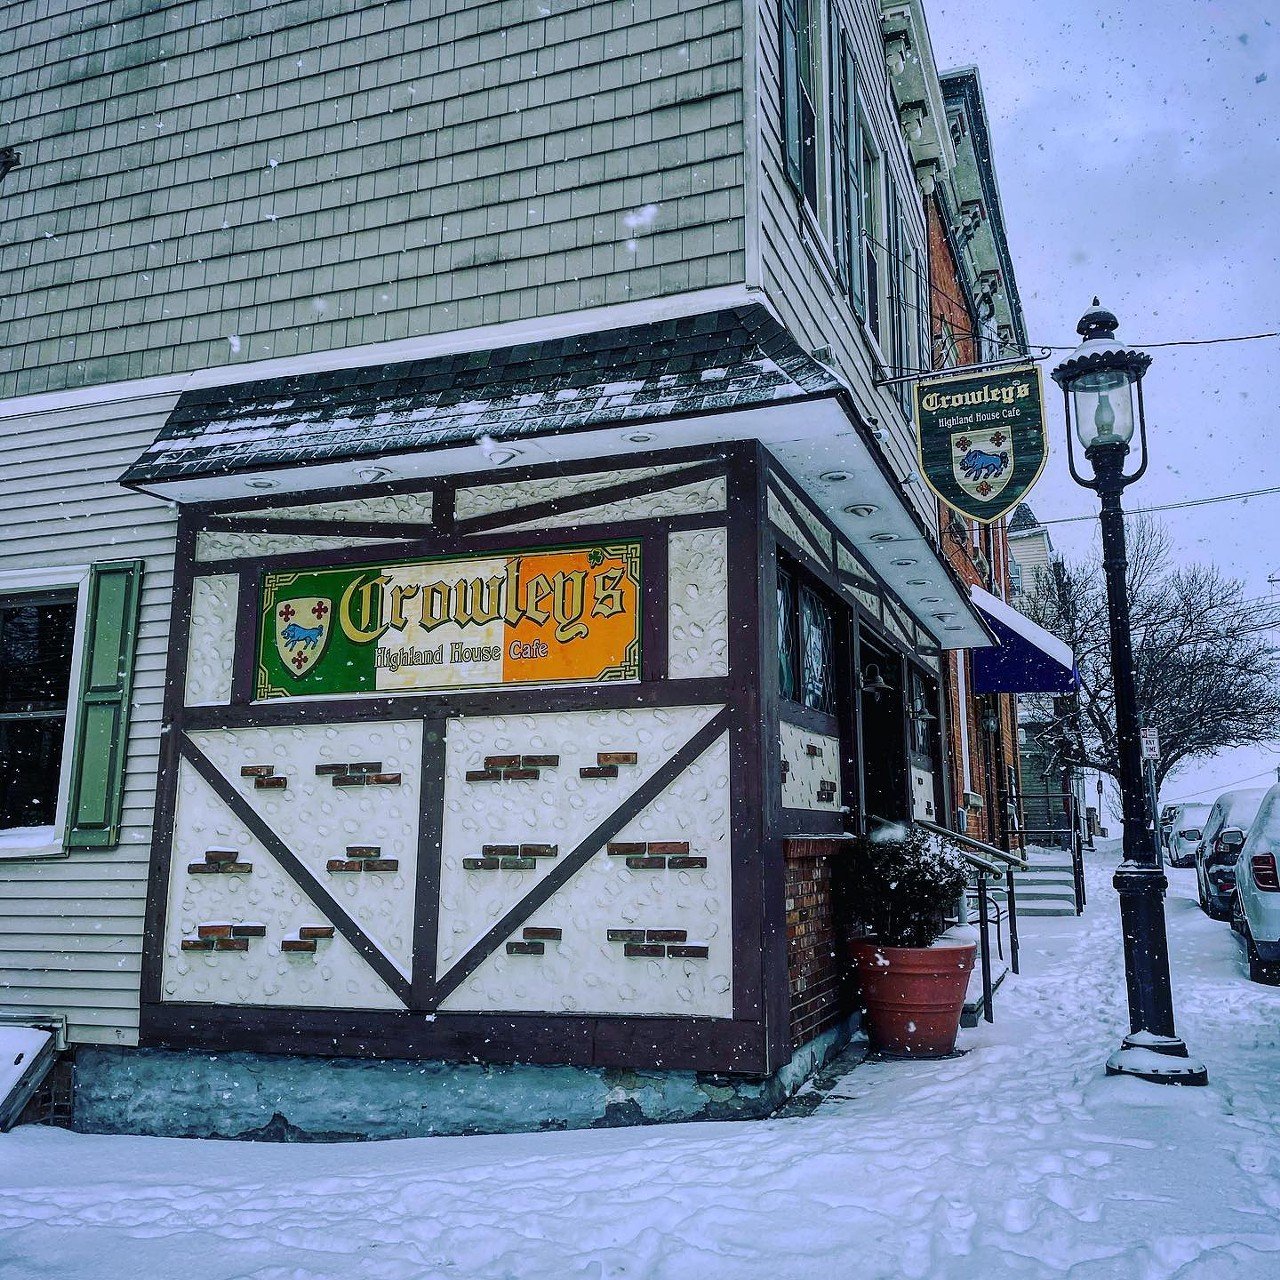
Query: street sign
(981, 438)
(1150, 744)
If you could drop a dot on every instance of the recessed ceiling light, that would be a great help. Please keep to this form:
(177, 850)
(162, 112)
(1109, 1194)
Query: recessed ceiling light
(953, 628)
(884, 537)
(835, 477)
(499, 456)
(371, 475)
(260, 483)
(942, 617)
(639, 437)
(917, 582)
(905, 562)
(931, 600)
(862, 509)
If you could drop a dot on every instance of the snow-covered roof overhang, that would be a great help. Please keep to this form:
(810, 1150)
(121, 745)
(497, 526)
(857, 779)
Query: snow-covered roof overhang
(700, 380)
(1026, 657)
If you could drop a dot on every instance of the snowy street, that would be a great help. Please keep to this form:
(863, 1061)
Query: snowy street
(1018, 1159)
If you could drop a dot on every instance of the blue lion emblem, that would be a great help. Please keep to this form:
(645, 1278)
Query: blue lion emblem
(295, 635)
(979, 465)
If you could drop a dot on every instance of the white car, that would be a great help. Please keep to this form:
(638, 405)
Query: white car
(1255, 913)
(1184, 835)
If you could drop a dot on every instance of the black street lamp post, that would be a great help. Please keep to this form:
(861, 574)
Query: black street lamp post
(1098, 382)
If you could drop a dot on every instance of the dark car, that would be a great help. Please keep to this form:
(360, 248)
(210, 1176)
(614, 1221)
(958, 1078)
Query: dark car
(1221, 840)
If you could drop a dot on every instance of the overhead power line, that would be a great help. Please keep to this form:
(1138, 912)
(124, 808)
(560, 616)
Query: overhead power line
(1177, 506)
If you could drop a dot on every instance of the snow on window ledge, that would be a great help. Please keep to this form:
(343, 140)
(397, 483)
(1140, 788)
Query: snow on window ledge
(30, 842)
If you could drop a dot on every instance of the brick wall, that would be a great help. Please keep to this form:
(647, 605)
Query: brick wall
(815, 939)
(986, 758)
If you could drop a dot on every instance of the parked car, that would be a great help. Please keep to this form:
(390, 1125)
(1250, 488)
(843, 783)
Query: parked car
(1166, 825)
(1188, 823)
(1219, 846)
(1255, 913)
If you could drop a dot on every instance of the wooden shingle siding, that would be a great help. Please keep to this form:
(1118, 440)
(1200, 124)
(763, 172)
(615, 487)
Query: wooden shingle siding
(71, 928)
(316, 174)
(797, 271)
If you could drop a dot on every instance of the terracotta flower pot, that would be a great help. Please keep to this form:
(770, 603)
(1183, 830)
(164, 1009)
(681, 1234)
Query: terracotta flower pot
(913, 995)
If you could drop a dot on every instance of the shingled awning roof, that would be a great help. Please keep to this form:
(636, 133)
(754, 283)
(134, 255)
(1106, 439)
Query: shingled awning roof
(722, 360)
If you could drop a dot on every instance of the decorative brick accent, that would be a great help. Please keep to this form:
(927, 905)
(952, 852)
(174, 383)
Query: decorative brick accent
(598, 771)
(539, 850)
(664, 847)
(520, 775)
(310, 932)
(624, 848)
(526, 948)
(666, 935)
(518, 864)
(502, 762)
(643, 950)
(616, 757)
(213, 931)
(231, 944)
(812, 749)
(512, 768)
(625, 935)
(270, 784)
(484, 775)
(363, 850)
(500, 850)
(540, 933)
(815, 945)
(197, 944)
(257, 770)
(687, 952)
(481, 864)
(363, 864)
(248, 930)
(539, 762)
(366, 773)
(297, 944)
(219, 862)
(697, 863)
(647, 864)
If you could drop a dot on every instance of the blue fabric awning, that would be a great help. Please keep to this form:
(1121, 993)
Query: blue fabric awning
(1025, 659)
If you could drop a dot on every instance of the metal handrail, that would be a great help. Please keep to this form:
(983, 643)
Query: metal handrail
(981, 864)
(959, 837)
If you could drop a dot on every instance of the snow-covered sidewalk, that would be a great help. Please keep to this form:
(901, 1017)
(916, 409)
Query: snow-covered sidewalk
(1018, 1159)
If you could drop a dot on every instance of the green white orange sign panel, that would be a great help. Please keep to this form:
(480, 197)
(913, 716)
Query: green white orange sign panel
(570, 614)
(981, 438)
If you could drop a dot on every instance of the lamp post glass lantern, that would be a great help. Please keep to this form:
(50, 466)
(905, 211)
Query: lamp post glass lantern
(1101, 383)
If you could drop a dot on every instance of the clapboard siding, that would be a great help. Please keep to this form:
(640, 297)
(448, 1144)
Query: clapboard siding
(311, 175)
(71, 928)
(797, 272)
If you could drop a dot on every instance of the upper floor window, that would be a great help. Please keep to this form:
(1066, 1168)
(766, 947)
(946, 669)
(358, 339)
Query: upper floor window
(37, 637)
(802, 87)
(806, 645)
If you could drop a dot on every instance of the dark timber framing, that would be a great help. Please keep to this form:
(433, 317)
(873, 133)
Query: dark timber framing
(745, 704)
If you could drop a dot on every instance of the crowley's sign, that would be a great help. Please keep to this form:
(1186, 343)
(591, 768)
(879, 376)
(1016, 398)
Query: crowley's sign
(544, 617)
(981, 439)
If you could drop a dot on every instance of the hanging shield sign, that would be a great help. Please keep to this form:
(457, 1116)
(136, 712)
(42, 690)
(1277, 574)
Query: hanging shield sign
(302, 632)
(981, 439)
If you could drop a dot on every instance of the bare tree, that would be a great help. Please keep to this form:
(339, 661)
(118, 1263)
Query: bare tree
(1206, 658)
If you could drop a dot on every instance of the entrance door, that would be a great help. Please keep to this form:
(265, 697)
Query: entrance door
(884, 744)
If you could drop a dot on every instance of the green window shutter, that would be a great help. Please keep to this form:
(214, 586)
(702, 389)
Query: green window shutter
(102, 721)
(790, 50)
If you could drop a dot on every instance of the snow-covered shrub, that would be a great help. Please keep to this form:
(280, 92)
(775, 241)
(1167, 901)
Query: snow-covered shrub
(902, 884)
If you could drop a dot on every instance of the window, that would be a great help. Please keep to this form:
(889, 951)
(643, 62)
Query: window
(806, 645)
(869, 230)
(66, 657)
(802, 72)
(37, 637)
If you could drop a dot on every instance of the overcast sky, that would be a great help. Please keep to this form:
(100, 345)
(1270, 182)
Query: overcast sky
(1137, 152)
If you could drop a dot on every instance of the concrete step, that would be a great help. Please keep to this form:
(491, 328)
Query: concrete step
(1046, 908)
